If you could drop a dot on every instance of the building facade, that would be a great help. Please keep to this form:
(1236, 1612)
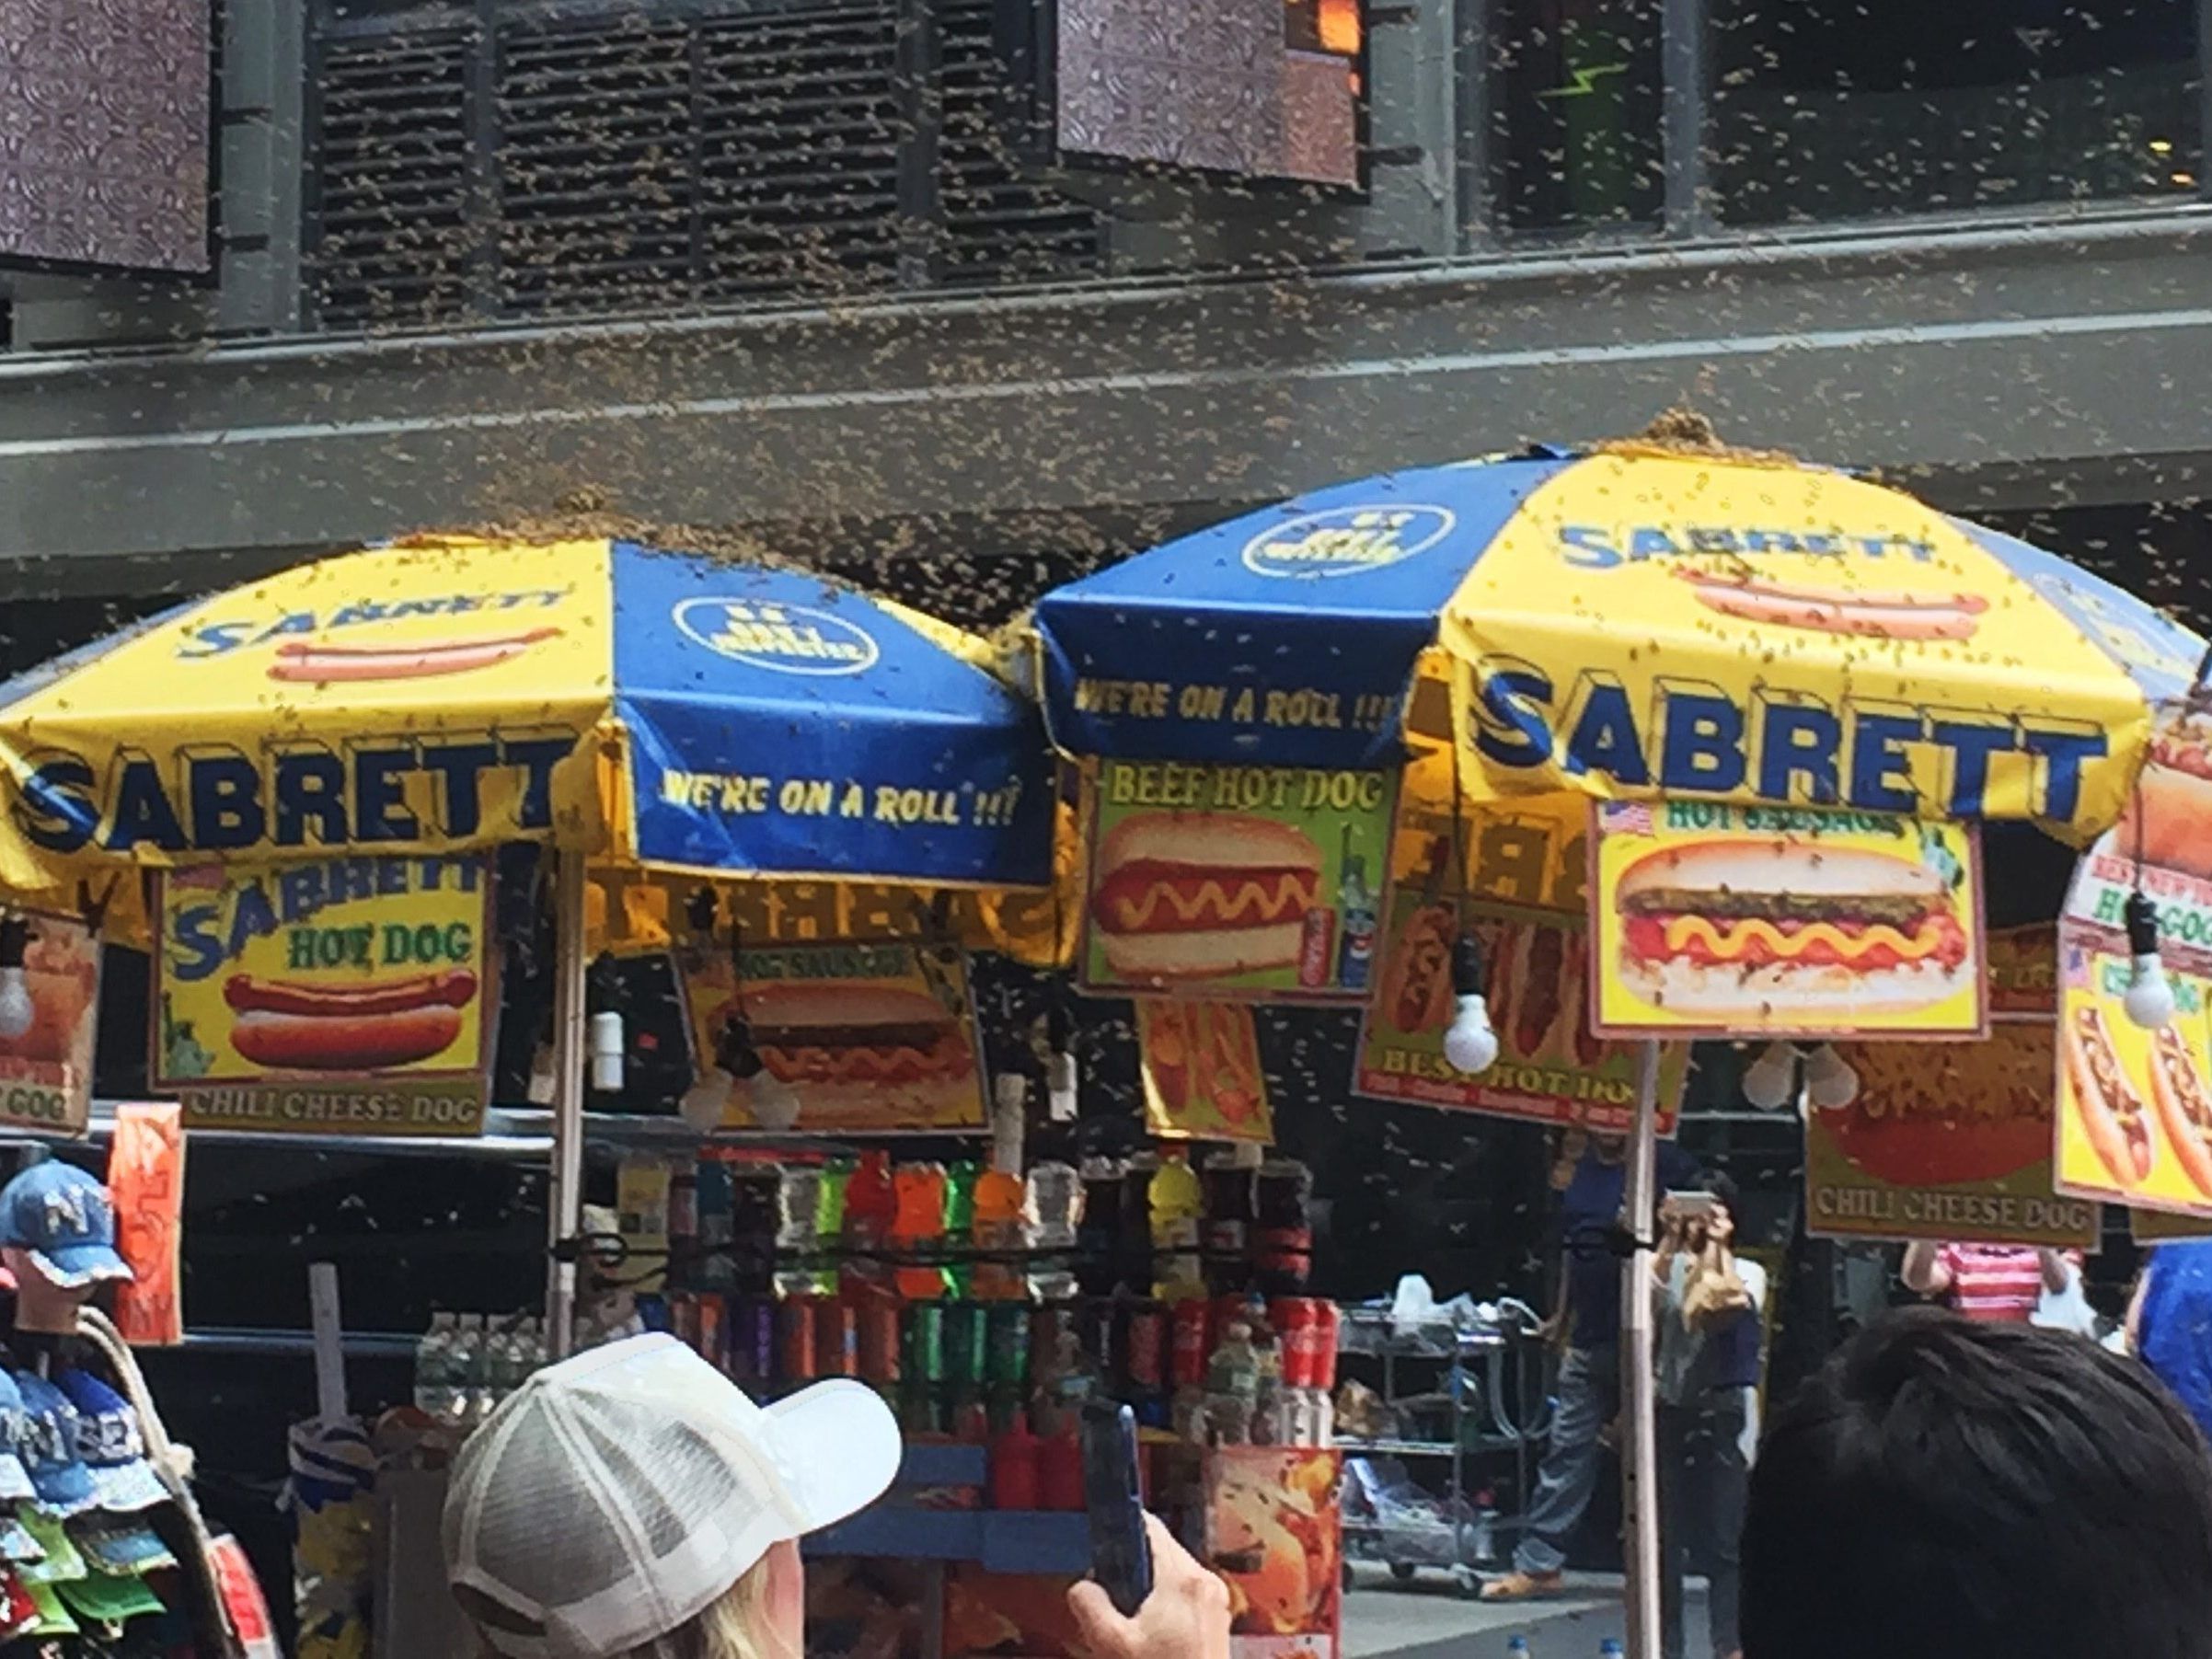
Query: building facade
(800, 267)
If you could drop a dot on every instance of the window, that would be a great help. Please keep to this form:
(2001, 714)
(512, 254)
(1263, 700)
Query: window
(1842, 109)
(1575, 103)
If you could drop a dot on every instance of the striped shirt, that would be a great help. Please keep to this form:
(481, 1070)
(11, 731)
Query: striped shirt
(1996, 1281)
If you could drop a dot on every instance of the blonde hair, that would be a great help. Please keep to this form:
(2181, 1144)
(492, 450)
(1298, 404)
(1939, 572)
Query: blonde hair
(734, 1625)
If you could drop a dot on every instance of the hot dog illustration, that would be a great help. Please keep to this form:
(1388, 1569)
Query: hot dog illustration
(1865, 613)
(2184, 1098)
(2113, 1113)
(290, 1026)
(300, 660)
(2161, 824)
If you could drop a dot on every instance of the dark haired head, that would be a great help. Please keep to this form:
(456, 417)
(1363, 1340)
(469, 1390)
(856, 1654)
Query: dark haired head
(1949, 1490)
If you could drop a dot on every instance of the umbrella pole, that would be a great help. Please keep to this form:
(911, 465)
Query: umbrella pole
(1638, 1387)
(564, 1194)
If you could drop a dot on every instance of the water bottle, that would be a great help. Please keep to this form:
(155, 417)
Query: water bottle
(1609, 1649)
(1483, 1540)
(1516, 1647)
(471, 1353)
(433, 1369)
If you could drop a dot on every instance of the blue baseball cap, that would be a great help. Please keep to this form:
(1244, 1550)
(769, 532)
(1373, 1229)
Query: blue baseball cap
(64, 1219)
(48, 1445)
(109, 1440)
(14, 1480)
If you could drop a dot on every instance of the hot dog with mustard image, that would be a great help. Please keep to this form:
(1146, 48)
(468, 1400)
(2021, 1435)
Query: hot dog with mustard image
(369, 1027)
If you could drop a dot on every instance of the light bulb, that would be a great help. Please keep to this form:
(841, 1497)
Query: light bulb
(1770, 1079)
(1830, 1083)
(1469, 1043)
(775, 1103)
(16, 1009)
(2149, 1000)
(605, 1041)
(1060, 1087)
(707, 1098)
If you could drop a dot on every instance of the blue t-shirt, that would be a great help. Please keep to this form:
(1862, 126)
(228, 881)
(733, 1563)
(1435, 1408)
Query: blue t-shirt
(2174, 1335)
(1587, 1210)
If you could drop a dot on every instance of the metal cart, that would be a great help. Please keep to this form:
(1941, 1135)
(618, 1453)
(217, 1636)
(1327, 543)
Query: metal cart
(1481, 1394)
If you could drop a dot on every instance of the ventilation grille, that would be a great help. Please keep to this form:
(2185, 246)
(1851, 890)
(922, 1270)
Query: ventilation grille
(394, 239)
(637, 162)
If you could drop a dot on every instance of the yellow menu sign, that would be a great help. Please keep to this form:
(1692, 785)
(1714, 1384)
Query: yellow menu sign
(1740, 921)
(345, 994)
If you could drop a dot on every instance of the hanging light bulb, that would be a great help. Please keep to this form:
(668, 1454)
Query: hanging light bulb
(775, 1102)
(2149, 1000)
(16, 1010)
(727, 1080)
(1470, 1043)
(1770, 1081)
(1830, 1083)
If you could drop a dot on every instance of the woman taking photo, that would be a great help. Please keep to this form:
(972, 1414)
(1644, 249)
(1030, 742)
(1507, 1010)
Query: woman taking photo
(1711, 1307)
(632, 1502)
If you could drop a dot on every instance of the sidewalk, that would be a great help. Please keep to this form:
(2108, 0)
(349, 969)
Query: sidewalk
(1428, 1618)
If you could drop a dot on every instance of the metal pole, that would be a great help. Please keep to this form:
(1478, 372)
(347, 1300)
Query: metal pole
(1639, 1388)
(564, 1194)
(1684, 116)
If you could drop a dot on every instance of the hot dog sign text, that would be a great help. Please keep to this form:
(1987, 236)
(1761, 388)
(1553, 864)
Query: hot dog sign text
(344, 995)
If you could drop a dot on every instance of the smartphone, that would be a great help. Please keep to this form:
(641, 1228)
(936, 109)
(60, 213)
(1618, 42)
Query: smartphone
(1692, 1206)
(1121, 1555)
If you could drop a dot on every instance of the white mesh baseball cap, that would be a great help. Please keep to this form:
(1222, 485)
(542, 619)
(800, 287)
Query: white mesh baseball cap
(617, 1494)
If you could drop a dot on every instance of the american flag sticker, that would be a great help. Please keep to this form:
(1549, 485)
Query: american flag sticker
(1625, 818)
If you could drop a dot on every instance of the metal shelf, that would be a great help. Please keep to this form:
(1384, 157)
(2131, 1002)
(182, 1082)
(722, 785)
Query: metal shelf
(512, 1134)
(243, 1340)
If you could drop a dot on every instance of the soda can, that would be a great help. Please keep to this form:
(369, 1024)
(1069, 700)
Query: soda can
(879, 1339)
(1008, 1356)
(1316, 948)
(1192, 1322)
(924, 1333)
(653, 1310)
(836, 1340)
(753, 1342)
(1144, 1348)
(796, 1342)
(1328, 1323)
(1098, 1335)
(1296, 1321)
(712, 1336)
(966, 1342)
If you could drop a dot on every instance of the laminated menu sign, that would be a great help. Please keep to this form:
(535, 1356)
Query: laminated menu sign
(1199, 1062)
(336, 996)
(1274, 1533)
(1551, 1069)
(1739, 921)
(853, 1038)
(2135, 1104)
(1253, 883)
(46, 1069)
(1943, 1140)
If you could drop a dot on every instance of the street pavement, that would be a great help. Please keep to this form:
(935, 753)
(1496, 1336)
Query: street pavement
(1428, 1618)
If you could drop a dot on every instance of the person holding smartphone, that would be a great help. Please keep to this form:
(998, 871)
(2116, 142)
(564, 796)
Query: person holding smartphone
(1711, 1317)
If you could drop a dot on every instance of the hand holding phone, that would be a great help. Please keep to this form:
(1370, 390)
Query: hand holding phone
(1186, 1617)
(1121, 1555)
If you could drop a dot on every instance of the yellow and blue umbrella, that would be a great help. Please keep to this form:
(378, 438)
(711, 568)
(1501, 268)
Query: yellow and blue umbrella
(1637, 622)
(646, 708)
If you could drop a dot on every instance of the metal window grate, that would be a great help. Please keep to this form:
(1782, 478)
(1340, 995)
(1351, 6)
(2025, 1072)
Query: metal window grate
(647, 158)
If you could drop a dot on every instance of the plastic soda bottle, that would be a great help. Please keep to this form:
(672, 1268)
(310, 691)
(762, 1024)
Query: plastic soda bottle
(1178, 1211)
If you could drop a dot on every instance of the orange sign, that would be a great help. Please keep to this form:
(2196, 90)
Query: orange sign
(1201, 1066)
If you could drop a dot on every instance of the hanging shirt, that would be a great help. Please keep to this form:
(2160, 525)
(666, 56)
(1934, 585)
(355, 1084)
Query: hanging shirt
(2173, 1336)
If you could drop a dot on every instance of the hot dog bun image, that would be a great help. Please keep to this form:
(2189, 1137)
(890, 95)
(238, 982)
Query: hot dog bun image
(1863, 612)
(369, 1027)
(1189, 895)
(2113, 1113)
(1751, 931)
(849, 1046)
(2184, 1098)
(2172, 800)
(303, 660)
